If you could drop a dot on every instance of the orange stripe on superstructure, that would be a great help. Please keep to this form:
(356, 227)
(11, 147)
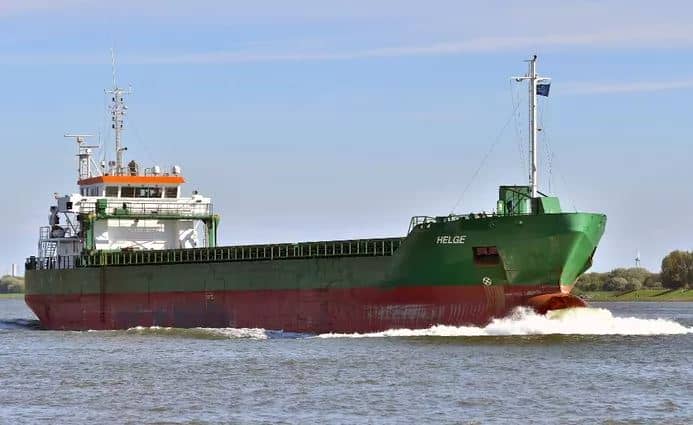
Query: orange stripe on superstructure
(132, 180)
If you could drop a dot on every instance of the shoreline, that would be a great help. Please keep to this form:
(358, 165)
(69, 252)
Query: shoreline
(652, 295)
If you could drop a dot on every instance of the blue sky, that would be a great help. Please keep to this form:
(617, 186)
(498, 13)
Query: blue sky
(324, 120)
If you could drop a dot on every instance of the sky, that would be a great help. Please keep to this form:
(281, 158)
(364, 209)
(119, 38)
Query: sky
(314, 120)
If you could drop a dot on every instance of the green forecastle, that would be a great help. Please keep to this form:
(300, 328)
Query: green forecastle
(447, 270)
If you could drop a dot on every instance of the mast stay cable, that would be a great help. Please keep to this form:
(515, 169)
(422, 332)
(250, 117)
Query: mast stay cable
(485, 158)
(515, 101)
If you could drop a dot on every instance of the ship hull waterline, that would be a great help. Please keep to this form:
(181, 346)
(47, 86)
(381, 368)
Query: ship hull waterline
(305, 311)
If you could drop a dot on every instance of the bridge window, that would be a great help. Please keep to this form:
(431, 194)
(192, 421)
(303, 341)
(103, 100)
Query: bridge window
(486, 255)
(112, 191)
(141, 192)
(171, 192)
(154, 192)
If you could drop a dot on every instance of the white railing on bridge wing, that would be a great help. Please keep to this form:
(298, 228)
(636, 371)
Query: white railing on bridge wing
(146, 208)
(68, 231)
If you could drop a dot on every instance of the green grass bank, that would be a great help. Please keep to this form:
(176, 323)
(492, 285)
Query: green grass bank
(11, 285)
(639, 295)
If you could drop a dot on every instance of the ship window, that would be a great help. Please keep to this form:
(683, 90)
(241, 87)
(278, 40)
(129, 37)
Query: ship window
(127, 192)
(112, 191)
(171, 192)
(486, 255)
(148, 192)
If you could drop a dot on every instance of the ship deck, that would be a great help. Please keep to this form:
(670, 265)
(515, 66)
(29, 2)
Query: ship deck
(260, 252)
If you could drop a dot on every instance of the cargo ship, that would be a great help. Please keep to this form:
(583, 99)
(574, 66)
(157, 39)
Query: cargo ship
(128, 249)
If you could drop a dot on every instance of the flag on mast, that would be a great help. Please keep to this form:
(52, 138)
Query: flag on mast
(543, 87)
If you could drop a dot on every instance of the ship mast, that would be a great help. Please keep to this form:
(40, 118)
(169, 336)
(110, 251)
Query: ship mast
(118, 110)
(533, 79)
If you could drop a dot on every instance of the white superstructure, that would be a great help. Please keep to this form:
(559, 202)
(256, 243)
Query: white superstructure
(121, 207)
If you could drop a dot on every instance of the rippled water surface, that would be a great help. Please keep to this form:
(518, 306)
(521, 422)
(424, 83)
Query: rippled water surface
(613, 363)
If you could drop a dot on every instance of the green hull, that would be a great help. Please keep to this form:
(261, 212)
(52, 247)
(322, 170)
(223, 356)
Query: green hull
(448, 270)
(533, 249)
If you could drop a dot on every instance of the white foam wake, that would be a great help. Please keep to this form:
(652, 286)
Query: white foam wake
(524, 321)
(203, 333)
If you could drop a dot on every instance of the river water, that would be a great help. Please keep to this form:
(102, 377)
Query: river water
(620, 363)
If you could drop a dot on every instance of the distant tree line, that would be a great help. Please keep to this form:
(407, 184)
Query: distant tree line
(676, 272)
(621, 279)
(11, 285)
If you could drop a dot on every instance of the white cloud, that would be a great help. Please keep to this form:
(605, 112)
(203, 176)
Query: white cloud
(405, 29)
(652, 38)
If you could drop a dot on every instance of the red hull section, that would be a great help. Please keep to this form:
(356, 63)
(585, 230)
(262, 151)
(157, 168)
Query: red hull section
(310, 311)
(543, 303)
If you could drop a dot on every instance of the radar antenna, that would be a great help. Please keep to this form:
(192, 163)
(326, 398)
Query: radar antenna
(84, 161)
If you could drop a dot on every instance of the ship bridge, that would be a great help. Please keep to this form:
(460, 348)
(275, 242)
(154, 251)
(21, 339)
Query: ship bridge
(128, 212)
(154, 185)
(123, 207)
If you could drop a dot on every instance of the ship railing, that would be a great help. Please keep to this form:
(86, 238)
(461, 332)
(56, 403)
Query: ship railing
(419, 220)
(124, 208)
(424, 220)
(59, 262)
(47, 248)
(303, 250)
(45, 232)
